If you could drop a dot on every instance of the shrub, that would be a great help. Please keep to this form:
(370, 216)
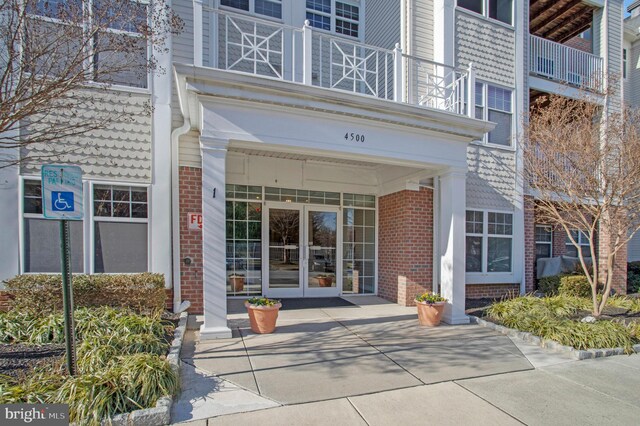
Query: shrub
(430, 298)
(568, 285)
(43, 293)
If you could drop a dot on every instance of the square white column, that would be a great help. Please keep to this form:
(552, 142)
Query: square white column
(452, 245)
(214, 153)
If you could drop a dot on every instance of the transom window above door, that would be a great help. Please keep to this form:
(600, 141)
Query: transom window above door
(272, 8)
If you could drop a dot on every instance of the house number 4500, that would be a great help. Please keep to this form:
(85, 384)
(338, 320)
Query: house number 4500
(353, 137)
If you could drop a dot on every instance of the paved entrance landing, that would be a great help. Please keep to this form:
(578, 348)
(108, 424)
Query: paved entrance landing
(328, 353)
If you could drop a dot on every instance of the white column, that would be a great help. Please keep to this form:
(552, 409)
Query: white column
(452, 244)
(9, 217)
(214, 153)
(160, 202)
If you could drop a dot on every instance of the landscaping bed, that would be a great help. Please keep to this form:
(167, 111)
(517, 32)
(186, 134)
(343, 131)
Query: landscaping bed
(123, 349)
(559, 319)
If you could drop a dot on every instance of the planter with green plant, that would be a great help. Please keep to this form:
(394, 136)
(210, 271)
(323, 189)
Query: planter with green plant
(325, 280)
(430, 308)
(263, 314)
(237, 282)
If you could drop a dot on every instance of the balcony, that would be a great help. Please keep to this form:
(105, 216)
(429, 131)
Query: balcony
(565, 65)
(246, 44)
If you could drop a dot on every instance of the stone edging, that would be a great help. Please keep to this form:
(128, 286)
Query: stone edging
(550, 344)
(161, 413)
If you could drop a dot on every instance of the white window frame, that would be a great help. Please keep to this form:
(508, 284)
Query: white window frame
(583, 241)
(493, 277)
(334, 18)
(484, 92)
(89, 200)
(90, 65)
(549, 243)
(54, 244)
(252, 9)
(485, 12)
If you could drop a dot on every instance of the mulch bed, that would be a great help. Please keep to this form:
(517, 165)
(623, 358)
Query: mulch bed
(18, 359)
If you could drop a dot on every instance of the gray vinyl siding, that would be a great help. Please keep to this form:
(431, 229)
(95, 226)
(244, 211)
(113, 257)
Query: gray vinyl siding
(421, 23)
(121, 151)
(491, 48)
(382, 23)
(614, 41)
(633, 80)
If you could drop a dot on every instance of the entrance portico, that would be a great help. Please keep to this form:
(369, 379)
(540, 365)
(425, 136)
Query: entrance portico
(300, 141)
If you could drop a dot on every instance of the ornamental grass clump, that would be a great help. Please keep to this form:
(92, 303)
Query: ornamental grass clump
(553, 318)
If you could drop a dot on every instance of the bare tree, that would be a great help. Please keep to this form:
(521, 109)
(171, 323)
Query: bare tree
(583, 166)
(53, 51)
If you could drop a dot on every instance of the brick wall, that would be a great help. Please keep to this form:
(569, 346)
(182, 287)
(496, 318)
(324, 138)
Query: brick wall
(405, 245)
(5, 301)
(190, 239)
(493, 291)
(619, 284)
(529, 243)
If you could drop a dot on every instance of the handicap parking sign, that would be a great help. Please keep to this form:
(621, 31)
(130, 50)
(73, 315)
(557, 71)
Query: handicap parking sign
(61, 201)
(62, 192)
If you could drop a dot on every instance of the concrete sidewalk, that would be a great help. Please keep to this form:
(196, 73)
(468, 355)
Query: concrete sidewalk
(372, 364)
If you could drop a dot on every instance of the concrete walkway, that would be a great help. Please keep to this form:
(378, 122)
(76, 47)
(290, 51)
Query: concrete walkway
(373, 364)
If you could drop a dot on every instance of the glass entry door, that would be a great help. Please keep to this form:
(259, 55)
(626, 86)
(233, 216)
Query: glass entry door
(303, 251)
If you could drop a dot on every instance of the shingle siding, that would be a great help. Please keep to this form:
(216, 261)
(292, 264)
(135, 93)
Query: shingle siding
(490, 178)
(490, 47)
(121, 151)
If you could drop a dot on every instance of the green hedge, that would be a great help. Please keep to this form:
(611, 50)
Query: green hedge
(43, 293)
(567, 285)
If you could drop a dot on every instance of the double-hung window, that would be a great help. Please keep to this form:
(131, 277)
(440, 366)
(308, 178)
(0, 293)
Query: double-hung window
(120, 222)
(117, 51)
(489, 241)
(272, 8)
(341, 17)
(40, 235)
(544, 241)
(495, 104)
(582, 240)
(500, 10)
(624, 63)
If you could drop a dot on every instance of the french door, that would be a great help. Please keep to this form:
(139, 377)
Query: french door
(302, 250)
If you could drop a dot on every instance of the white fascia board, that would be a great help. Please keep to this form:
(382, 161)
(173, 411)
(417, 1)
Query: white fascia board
(226, 84)
(552, 87)
(596, 3)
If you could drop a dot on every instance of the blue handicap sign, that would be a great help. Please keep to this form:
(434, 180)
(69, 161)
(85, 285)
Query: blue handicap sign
(61, 201)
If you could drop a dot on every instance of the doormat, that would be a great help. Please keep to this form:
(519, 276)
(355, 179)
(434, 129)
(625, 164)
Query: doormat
(313, 303)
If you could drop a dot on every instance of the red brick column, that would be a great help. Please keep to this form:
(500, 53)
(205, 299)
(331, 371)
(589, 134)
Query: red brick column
(405, 245)
(529, 244)
(190, 239)
(619, 284)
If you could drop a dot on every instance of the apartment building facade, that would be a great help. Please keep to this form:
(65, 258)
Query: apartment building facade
(326, 148)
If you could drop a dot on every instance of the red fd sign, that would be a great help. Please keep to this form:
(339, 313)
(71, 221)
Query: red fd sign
(195, 220)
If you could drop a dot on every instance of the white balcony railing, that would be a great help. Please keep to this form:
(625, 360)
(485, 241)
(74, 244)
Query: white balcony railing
(566, 64)
(243, 43)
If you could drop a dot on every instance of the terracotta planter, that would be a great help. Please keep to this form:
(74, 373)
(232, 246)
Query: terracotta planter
(263, 318)
(325, 281)
(237, 283)
(429, 314)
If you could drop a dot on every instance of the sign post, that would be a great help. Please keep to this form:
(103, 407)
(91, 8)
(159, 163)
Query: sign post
(62, 200)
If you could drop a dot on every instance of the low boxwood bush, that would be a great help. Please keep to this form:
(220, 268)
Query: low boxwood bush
(567, 285)
(43, 292)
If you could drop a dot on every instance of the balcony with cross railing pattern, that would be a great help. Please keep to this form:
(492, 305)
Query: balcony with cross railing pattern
(265, 48)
